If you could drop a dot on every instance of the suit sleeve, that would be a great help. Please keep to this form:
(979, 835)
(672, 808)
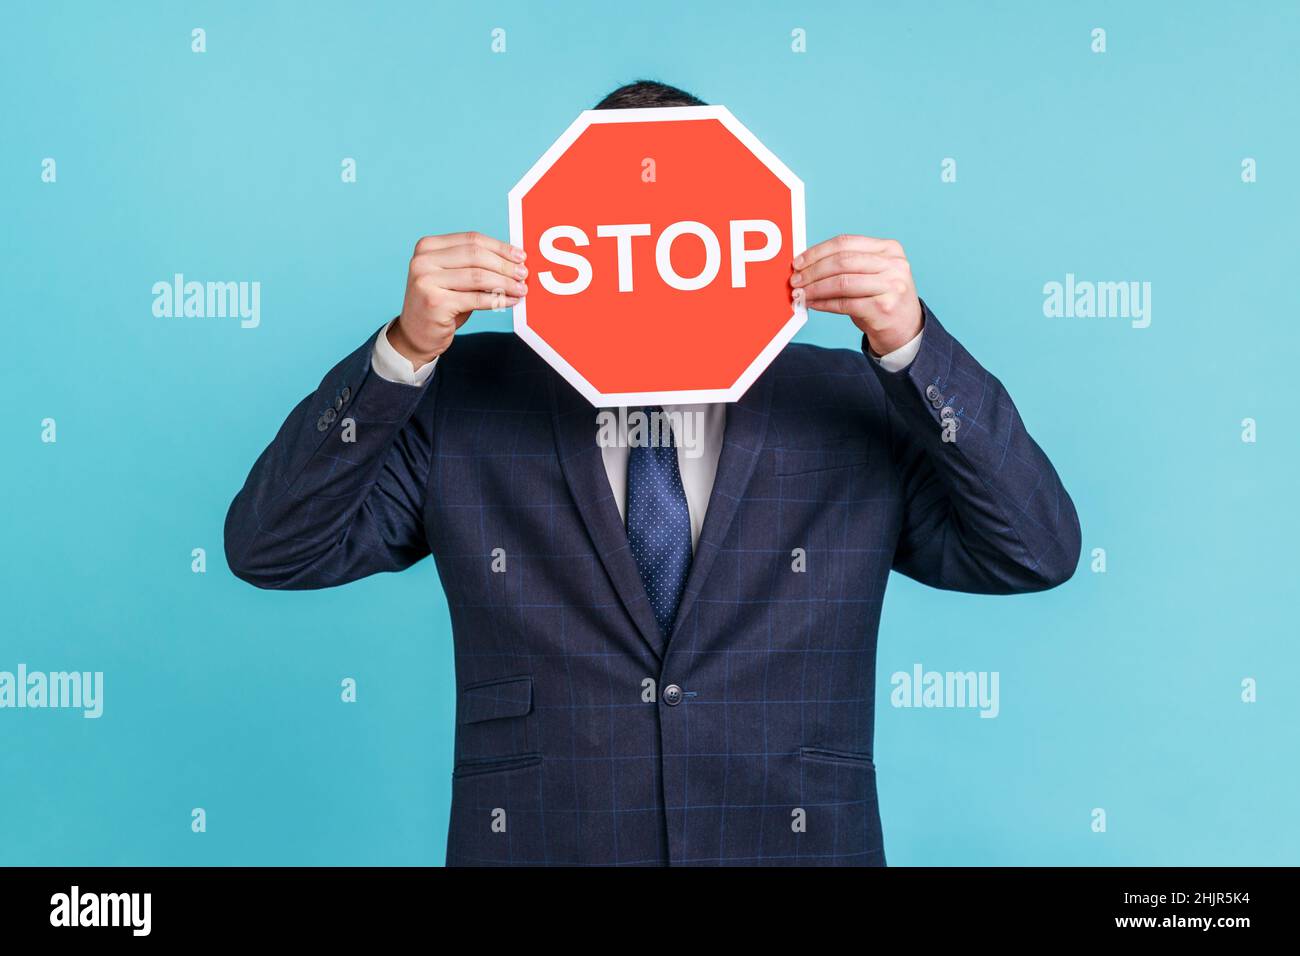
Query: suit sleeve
(339, 494)
(984, 510)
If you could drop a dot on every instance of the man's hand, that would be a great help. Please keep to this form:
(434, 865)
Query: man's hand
(449, 277)
(869, 280)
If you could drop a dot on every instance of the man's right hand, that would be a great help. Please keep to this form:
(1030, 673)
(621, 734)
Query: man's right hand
(450, 276)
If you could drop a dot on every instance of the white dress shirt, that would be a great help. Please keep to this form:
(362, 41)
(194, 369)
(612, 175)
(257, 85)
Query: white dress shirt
(698, 465)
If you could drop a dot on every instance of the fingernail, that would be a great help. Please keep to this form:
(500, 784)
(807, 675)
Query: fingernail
(796, 279)
(518, 254)
(798, 261)
(520, 272)
(521, 288)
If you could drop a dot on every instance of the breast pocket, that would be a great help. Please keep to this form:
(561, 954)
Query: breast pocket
(829, 457)
(492, 718)
(830, 499)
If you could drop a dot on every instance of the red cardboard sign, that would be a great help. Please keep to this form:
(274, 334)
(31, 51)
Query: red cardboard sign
(659, 247)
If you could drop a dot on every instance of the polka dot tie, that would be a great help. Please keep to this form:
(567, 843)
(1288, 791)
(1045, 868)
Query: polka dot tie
(658, 519)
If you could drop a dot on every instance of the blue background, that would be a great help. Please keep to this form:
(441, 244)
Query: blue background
(1120, 690)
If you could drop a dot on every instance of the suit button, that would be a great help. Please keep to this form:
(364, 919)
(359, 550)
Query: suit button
(338, 402)
(946, 413)
(672, 695)
(328, 416)
(321, 424)
(932, 394)
(346, 394)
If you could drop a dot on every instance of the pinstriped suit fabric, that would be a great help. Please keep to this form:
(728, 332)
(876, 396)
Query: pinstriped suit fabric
(565, 751)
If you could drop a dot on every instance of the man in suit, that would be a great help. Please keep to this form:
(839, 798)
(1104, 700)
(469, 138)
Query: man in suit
(664, 655)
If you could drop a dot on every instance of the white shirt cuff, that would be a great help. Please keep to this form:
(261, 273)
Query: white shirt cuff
(393, 366)
(901, 357)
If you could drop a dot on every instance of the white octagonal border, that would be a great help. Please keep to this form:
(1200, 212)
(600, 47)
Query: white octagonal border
(798, 240)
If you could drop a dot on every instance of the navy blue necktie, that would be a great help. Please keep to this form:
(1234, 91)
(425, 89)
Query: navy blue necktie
(658, 519)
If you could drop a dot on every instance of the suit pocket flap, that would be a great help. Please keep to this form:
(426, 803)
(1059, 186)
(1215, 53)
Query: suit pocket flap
(490, 700)
(799, 461)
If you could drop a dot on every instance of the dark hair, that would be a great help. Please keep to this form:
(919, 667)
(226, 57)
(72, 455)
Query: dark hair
(644, 93)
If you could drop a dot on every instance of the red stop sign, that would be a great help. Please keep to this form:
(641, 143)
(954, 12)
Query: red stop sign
(659, 247)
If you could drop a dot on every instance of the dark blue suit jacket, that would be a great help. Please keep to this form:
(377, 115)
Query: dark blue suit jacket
(567, 751)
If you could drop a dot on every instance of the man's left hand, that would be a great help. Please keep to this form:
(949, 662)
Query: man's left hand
(867, 279)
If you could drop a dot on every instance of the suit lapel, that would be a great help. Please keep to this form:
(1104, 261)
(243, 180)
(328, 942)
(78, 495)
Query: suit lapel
(574, 419)
(742, 442)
